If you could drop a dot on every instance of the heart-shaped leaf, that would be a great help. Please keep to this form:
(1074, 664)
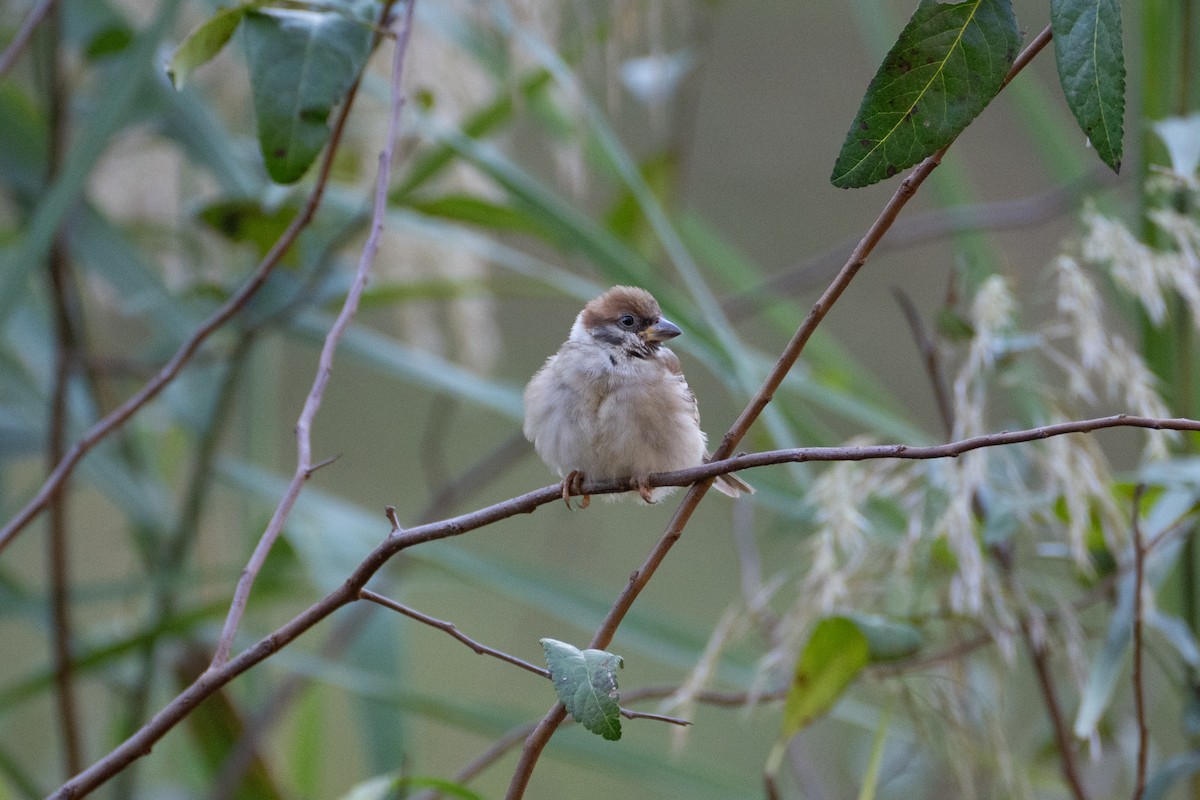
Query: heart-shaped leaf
(586, 683)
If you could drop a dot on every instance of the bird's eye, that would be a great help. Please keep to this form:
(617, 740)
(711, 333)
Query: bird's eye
(627, 320)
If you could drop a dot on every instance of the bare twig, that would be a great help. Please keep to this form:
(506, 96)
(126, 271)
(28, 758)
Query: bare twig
(482, 649)
(929, 358)
(121, 414)
(452, 629)
(304, 462)
(630, 714)
(541, 735)
(67, 359)
(1040, 658)
(1062, 733)
(21, 40)
(1139, 686)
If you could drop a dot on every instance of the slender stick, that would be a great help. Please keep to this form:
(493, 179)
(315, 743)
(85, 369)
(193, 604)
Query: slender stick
(1139, 686)
(21, 40)
(1062, 733)
(929, 358)
(67, 359)
(304, 463)
(541, 735)
(452, 629)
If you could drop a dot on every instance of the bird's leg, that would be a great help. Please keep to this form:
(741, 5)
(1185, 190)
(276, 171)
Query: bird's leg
(642, 484)
(573, 484)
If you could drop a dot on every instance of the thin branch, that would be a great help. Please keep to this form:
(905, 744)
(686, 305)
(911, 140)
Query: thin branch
(630, 714)
(452, 629)
(66, 360)
(121, 414)
(1062, 733)
(929, 358)
(1040, 658)
(21, 40)
(304, 463)
(683, 513)
(1139, 686)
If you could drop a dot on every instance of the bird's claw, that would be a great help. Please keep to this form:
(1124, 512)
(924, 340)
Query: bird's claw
(641, 483)
(573, 484)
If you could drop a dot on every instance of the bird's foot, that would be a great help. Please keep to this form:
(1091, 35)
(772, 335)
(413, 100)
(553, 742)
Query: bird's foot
(641, 483)
(573, 484)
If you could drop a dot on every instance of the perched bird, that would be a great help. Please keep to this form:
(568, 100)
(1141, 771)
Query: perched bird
(613, 402)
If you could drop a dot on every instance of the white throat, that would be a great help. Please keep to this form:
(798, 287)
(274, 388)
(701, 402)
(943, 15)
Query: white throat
(578, 332)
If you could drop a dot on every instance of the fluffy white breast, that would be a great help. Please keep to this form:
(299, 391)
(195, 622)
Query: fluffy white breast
(609, 415)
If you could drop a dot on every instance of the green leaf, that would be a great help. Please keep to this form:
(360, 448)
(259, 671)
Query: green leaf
(586, 683)
(478, 211)
(947, 65)
(1091, 68)
(836, 651)
(301, 65)
(243, 220)
(202, 44)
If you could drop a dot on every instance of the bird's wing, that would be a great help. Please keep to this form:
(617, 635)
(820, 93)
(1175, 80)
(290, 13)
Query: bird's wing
(671, 362)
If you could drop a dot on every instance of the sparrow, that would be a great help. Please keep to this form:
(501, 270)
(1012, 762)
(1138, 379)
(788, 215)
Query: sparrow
(613, 402)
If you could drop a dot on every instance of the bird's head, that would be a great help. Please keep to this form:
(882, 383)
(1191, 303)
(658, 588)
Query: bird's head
(625, 318)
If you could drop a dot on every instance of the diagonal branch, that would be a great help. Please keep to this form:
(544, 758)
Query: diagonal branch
(608, 628)
(452, 629)
(1139, 685)
(21, 40)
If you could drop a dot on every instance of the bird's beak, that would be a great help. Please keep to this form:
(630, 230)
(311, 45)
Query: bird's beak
(661, 331)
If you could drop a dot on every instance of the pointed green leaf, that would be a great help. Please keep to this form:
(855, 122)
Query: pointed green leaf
(947, 65)
(478, 211)
(202, 44)
(834, 655)
(586, 683)
(301, 65)
(1091, 68)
